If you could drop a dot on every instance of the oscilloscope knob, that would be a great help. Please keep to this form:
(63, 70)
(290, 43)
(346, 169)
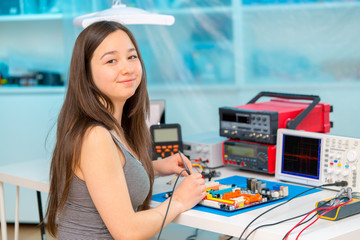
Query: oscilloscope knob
(351, 155)
(205, 149)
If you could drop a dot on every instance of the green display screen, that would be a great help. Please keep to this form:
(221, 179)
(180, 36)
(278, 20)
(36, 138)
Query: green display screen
(166, 135)
(241, 151)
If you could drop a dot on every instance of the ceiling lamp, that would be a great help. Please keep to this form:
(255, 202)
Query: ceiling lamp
(124, 15)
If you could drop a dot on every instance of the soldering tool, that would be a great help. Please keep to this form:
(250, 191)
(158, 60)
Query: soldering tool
(186, 166)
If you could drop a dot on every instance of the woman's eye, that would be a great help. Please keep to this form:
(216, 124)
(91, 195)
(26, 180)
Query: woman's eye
(133, 57)
(111, 61)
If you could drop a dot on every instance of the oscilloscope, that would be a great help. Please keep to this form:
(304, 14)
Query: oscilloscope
(317, 158)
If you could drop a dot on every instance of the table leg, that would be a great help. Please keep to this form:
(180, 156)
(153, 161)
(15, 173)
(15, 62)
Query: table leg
(16, 230)
(2, 210)
(42, 225)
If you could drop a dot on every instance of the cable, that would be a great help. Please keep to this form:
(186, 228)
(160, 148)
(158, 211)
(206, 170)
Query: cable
(194, 236)
(328, 210)
(167, 210)
(301, 222)
(272, 224)
(342, 184)
(199, 166)
(334, 203)
(285, 220)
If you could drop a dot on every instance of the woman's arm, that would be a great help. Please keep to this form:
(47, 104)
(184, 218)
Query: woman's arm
(101, 167)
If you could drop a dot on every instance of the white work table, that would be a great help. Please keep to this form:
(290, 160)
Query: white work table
(34, 175)
(348, 228)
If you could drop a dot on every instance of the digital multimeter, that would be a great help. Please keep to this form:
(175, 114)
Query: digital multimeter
(166, 140)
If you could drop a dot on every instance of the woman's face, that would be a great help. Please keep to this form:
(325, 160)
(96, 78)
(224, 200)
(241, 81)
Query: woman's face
(116, 67)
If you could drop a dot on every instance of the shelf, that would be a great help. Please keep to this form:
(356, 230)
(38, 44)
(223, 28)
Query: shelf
(30, 17)
(303, 86)
(198, 10)
(5, 90)
(301, 6)
(174, 88)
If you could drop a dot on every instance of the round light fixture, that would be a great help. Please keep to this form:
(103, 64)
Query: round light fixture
(124, 15)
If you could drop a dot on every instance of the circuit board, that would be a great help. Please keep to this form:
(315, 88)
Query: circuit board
(232, 197)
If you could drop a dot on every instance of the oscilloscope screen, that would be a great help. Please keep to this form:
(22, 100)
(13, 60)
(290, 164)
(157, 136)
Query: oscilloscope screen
(301, 156)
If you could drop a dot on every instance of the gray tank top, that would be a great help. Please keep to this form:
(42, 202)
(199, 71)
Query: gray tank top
(80, 219)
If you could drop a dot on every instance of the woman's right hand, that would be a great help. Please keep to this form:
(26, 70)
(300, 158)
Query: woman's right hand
(190, 191)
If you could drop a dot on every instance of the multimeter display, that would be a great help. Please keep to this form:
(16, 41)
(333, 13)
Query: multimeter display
(241, 150)
(166, 135)
(166, 140)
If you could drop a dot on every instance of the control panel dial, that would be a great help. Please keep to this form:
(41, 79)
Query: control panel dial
(351, 155)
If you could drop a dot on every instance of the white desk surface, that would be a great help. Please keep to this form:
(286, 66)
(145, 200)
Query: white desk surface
(30, 174)
(348, 228)
(34, 175)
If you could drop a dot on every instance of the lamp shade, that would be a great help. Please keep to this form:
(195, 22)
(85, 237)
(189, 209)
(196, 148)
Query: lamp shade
(124, 15)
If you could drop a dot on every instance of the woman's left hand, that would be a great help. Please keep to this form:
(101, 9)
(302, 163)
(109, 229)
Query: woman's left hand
(171, 165)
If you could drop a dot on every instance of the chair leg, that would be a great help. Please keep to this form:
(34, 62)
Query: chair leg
(2, 210)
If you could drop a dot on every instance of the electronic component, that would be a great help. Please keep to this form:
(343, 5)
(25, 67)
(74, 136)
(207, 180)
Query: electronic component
(206, 146)
(347, 210)
(249, 156)
(232, 197)
(259, 122)
(316, 158)
(166, 140)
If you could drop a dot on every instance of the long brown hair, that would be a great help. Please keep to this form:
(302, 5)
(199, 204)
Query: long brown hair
(86, 106)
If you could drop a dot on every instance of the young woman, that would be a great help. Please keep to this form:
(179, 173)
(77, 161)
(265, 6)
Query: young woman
(101, 173)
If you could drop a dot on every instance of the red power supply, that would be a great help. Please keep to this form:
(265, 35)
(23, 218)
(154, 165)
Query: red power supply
(259, 122)
(253, 127)
(318, 120)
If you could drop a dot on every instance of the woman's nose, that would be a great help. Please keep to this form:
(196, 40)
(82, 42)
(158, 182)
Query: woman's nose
(125, 67)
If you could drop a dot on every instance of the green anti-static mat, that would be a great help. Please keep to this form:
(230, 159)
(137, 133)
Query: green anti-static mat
(241, 182)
